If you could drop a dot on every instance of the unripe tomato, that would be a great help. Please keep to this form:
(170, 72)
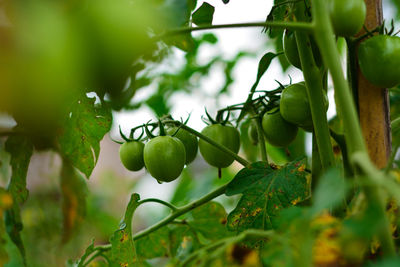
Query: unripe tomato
(290, 49)
(253, 134)
(189, 141)
(294, 105)
(379, 59)
(278, 132)
(292, 53)
(131, 155)
(347, 16)
(164, 158)
(225, 135)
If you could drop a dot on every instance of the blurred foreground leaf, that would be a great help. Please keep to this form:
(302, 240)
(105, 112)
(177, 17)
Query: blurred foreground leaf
(74, 191)
(21, 150)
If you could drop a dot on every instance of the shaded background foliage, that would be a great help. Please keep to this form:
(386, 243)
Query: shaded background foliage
(104, 53)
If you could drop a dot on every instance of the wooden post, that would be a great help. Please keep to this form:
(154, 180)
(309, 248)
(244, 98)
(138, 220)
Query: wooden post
(373, 102)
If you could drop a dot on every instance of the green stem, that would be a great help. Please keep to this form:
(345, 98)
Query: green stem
(301, 26)
(346, 110)
(316, 168)
(312, 77)
(212, 142)
(156, 200)
(182, 210)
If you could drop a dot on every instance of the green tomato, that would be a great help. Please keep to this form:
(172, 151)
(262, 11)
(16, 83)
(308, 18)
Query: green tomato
(379, 59)
(295, 106)
(278, 131)
(164, 157)
(189, 141)
(292, 53)
(252, 132)
(131, 155)
(347, 16)
(225, 135)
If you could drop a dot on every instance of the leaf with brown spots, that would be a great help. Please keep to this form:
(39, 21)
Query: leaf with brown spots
(266, 191)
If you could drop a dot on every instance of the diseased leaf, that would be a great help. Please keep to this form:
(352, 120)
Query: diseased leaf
(154, 245)
(203, 15)
(21, 150)
(74, 191)
(266, 191)
(84, 129)
(123, 251)
(210, 220)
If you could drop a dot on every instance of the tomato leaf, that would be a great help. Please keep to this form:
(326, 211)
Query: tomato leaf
(170, 241)
(74, 191)
(123, 252)
(154, 245)
(203, 15)
(266, 191)
(210, 220)
(84, 129)
(21, 150)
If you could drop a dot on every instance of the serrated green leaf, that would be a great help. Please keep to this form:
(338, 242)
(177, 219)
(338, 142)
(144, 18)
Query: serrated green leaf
(21, 150)
(123, 251)
(266, 191)
(203, 15)
(74, 192)
(210, 220)
(84, 129)
(154, 245)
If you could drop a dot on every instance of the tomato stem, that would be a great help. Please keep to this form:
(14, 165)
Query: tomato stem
(182, 210)
(301, 26)
(313, 79)
(156, 200)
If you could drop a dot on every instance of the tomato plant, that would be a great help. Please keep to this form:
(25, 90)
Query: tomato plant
(70, 70)
(379, 57)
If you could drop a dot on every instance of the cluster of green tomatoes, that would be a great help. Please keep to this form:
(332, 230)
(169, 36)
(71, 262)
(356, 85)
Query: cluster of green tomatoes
(165, 155)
